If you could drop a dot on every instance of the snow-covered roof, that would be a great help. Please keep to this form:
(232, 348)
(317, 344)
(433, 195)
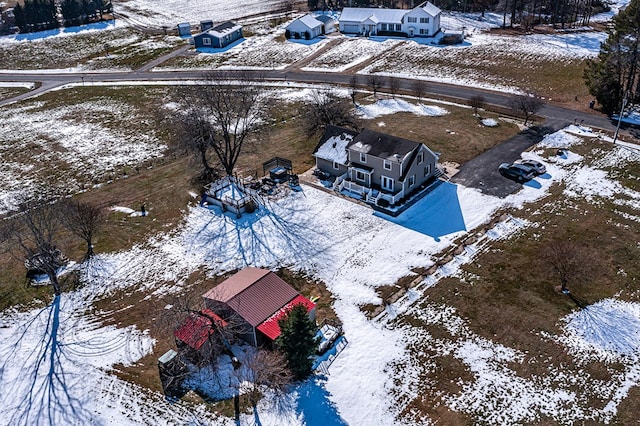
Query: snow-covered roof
(224, 29)
(326, 19)
(310, 21)
(430, 8)
(335, 148)
(361, 14)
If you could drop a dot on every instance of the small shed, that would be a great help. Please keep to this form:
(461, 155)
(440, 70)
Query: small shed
(328, 22)
(184, 29)
(219, 36)
(206, 25)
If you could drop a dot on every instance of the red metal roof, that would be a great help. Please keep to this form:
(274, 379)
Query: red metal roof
(197, 327)
(254, 294)
(270, 327)
(235, 284)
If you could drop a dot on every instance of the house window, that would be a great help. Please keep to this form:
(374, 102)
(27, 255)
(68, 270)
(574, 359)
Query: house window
(424, 20)
(360, 176)
(424, 31)
(427, 170)
(336, 165)
(386, 183)
(206, 41)
(398, 27)
(412, 180)
(386, 164)
(363, 157)
(384, 27)
(420, 157)
(412, 19)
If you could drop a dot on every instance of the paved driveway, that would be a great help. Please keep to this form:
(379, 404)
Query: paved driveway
(482, 172)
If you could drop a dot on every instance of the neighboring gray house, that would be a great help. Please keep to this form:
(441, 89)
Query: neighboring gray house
(375, 166)
(421, 21)
(219, 36)
(306, 27)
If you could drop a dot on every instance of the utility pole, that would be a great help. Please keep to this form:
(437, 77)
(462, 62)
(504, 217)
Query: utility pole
(624, 104)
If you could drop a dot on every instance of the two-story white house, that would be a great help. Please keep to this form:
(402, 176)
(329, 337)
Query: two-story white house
(421, 21)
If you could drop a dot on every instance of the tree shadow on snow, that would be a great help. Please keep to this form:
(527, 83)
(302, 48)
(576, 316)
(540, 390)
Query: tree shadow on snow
(42, 391)
(282, 233)
(437, 214)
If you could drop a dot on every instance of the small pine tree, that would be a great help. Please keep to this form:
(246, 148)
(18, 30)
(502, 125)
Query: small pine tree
(298, 341)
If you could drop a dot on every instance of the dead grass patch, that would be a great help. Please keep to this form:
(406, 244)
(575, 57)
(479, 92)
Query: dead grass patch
(510, 296)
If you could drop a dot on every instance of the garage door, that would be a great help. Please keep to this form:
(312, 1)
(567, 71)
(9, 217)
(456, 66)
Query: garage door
(351, 28)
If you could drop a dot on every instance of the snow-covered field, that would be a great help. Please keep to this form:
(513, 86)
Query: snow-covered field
(61, 150)
(170, 12)
(56, 363)
(353, 251)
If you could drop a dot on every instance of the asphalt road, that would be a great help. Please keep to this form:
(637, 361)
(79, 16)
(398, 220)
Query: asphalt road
(453, 92)
(482, 171)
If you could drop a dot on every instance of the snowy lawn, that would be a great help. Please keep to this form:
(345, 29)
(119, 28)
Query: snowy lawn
(564, 367)
(169, 13)
(69, 50)
(354, 252)
(50, 149)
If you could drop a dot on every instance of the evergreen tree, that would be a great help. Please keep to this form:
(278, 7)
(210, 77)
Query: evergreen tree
(298, 341)
(18, 13)
(615, 75)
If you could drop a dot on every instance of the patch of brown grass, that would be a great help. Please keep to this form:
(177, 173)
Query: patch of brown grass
(511, 297)
(458, 135)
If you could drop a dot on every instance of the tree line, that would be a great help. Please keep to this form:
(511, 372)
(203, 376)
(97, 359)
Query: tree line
(40, 15)
(614, 78)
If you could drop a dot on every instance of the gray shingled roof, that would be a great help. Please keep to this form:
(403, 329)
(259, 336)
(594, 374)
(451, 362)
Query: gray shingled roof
(382, 145)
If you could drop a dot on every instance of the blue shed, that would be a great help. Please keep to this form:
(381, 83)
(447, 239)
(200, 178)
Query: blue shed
(184, 29)
(219, 36)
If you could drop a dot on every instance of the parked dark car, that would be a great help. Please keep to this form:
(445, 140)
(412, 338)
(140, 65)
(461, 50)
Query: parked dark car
(538, 167)
(518, 173)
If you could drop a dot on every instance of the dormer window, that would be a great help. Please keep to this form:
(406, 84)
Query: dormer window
(386, 164)
(363, 157)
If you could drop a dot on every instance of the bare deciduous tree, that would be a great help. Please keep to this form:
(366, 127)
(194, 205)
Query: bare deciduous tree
(419, 89)
(525, 105)
(353, 85)
(263, 369)
(569, 262)
(222, 116)
(375, 83)
(35, 232)
(394, 86)
(194, 133)
(476, 102)
(85, 220)
(326, 108)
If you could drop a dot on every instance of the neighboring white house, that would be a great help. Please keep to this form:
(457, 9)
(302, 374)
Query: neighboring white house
(305, 27)
(421, 21)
